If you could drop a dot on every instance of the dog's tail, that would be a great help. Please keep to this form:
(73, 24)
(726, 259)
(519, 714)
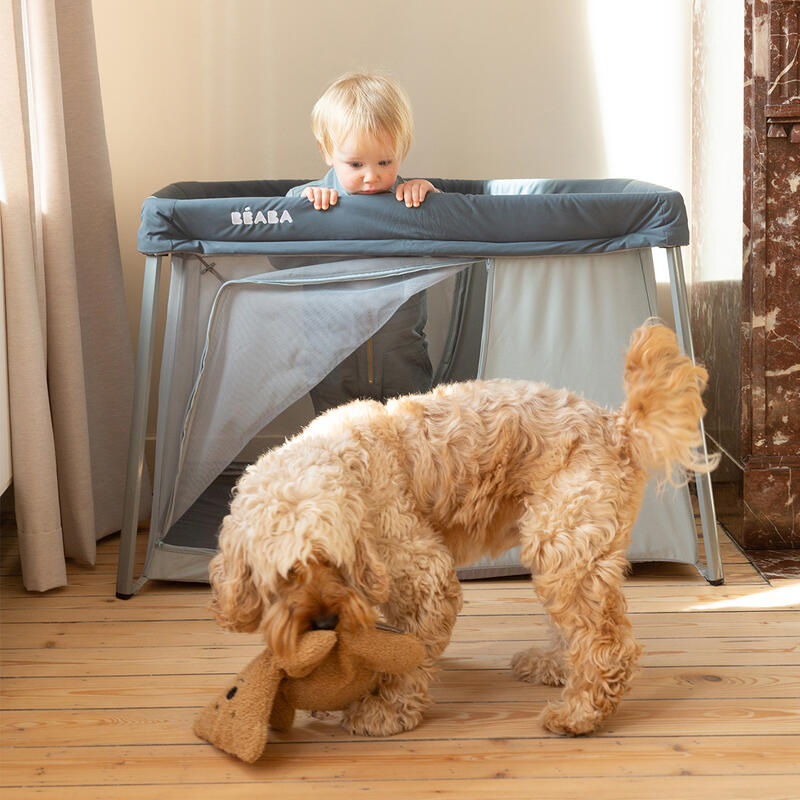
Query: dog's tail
(663, 405)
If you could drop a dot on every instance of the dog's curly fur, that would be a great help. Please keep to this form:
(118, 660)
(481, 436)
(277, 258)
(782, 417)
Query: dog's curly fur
(371, 508)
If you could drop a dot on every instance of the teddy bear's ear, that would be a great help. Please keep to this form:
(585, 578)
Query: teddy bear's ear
(237, 720)
(311, 650)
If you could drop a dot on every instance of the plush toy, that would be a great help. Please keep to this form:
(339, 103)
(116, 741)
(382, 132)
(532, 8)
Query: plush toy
(328, 672)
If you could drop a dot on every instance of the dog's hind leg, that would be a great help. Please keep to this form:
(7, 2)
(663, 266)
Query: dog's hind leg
(578, 575)
(546, 665)
(425, 601)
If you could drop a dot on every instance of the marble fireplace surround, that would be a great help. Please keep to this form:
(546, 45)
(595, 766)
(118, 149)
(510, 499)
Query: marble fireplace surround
(748, 332)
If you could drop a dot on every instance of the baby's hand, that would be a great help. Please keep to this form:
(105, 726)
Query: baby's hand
(412, 193)
(321, 197)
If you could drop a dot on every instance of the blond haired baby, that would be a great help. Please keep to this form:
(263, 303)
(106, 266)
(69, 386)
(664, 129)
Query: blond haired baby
(363, 126)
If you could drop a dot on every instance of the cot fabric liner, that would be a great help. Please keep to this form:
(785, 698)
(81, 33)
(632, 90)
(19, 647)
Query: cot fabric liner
(471, 218)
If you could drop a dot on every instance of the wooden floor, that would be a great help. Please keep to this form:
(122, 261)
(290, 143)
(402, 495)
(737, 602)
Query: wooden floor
(99, 695)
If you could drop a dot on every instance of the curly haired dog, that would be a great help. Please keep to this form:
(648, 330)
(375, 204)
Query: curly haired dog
(371, 508)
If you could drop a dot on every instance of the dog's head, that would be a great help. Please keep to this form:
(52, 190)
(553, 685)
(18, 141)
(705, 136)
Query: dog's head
(288, 567)
(314, 596)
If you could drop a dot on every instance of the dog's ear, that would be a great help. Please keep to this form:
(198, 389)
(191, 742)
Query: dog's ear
(235, 600)
(368, 574)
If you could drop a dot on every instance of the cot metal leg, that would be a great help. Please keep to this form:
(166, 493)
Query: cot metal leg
(487, 316)
(705, 498)
(141, 397)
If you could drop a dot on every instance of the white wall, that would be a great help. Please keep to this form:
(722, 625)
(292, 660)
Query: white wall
(717, 147)
(222, 89)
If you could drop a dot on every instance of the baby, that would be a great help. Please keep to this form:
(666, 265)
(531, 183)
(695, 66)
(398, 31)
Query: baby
(363, 126)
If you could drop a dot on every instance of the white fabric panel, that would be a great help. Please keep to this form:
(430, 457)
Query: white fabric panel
(179, 563)
(567, 321)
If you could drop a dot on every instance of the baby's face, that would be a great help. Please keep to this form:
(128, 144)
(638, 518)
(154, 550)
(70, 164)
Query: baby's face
(364, 164)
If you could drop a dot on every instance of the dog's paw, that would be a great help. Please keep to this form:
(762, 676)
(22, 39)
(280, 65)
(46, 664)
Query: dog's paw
(561, 719)
(533, 666)
(373, 716)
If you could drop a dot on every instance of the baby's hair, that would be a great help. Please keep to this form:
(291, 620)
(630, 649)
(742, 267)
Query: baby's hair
(363, 103)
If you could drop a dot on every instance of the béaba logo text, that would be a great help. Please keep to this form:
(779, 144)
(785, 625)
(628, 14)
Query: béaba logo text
(247, 217)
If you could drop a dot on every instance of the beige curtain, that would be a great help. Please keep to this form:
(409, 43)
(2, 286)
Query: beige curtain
(69, 351)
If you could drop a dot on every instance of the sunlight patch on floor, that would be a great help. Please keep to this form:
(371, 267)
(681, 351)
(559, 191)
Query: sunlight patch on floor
(787, 596)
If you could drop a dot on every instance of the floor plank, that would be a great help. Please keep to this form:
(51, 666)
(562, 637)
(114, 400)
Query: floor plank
(462, 720)
(382, 760)
(474, 627)
(686, 787)
(487, 685)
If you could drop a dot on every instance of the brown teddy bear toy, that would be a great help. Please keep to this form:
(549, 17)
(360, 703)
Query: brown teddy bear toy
(328, 672)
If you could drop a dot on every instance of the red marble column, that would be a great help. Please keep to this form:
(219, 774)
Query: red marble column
(770, 339)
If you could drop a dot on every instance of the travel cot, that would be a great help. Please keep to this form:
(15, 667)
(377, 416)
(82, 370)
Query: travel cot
(537, 279)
